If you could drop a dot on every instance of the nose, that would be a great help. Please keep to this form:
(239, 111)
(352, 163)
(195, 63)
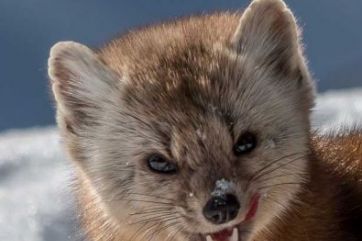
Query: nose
(221, 209)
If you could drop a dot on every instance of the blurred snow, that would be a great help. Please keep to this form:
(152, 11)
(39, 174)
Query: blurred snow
(338, 110)
(36, 203)
(35, 199)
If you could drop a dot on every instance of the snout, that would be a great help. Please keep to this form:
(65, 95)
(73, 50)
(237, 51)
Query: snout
(221, 209)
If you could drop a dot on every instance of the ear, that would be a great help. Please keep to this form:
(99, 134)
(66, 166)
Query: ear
(268, 36)
(82, 85)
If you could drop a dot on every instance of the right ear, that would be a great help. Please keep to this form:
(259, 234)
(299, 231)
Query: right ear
(82, 85)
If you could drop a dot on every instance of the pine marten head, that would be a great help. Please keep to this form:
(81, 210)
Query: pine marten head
(195, 129)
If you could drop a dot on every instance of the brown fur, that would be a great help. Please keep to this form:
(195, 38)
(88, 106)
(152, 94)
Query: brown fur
(329, 207)
(187, 90)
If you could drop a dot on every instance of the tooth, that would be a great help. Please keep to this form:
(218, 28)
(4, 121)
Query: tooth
(208, 238)
(235, 235)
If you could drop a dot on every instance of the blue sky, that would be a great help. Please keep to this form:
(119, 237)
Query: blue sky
(28, 28)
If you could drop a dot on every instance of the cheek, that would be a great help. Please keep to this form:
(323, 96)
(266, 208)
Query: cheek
(149, 184)
(159, 190)
(280, 161)
(278, 187)
(254, 165)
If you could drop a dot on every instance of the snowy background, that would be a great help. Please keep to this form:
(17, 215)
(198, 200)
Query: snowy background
(36, 203)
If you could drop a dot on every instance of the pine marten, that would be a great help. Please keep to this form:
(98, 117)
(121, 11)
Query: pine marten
(199, 130)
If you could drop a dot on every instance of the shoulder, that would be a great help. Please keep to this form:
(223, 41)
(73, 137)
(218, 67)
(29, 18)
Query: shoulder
(340, 156)
(342, 150)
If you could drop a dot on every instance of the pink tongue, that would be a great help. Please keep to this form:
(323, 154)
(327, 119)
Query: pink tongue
(223, 235)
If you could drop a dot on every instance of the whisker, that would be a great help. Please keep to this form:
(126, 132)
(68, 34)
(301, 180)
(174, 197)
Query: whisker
(279, 184)
(148, 195)
(169, 226)
(154, 216)
(276, 168)
(267, 171)
(157, 218)
(267, 178)
(156, 225)
(135, 235)
(177, 231)
(147, 215)
(164, 227)
(265, 167)
(151, 210)
(147, 201)
(272, 163)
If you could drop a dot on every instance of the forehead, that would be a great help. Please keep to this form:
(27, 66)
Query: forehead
(186, 88)
(174, 58)
(178, 75)
(192, 83)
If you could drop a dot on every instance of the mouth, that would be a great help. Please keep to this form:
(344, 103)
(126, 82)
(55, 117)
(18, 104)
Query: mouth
(237, 232)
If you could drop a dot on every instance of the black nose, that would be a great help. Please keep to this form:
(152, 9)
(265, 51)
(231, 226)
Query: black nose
(219, 210)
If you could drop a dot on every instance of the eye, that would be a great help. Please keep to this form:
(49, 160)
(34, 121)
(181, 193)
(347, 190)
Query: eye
(245, 144)
(159, 164)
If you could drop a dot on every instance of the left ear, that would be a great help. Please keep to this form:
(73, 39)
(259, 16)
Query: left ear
(268, 36)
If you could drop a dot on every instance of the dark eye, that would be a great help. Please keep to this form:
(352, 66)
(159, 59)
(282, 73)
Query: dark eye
(245, 144)
(159, 164)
